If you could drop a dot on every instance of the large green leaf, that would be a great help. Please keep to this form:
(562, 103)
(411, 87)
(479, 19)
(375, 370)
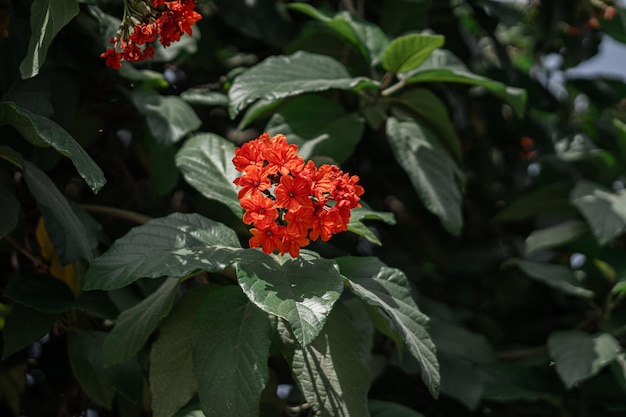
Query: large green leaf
(547, 200)
(578, 355)
(41, 292)
(432, 172)
(388, 288)
(364, 213)
(23, 326)
(135, 325)
(604, 211)
(73, 243)
(231, 343)
(9, 206)
(174, 246)
(206, 161)
(172, 380)
(282, 76)
(333, 371)
(301, 291)
(365, 36)
(47, 18)
(319, 127)
(556, 235)
(408, 52)
(41, 131)
(169, 117)
(380, 408)
(560, 277)
(204, 97)
(443, 66)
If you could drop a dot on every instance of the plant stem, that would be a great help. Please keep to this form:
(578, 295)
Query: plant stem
(118, 213)
(39, 263)
(397, 86)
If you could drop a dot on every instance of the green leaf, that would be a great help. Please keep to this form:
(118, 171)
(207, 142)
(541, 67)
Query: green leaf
(168, 117)
(231, 343)
(41, 292)
(258, 109)
(556, 235)
(172, 379)
(174, 246)
(204, 97)
(578, 355)
(47, 18)
(43, 132)
(560, 277)
(283, 76)
(408, 52)
(604, 211)
(380, 408)
(507, 382)
(74, 243)
(146, 78)
(388, 288)
(333, 371)
(9, 206)
(23, 326)
(206, 161)
(135, 325)
(319, 127)
(443, 66)
(431, 171)
(365, 36)
(548, 200)
(430, 110)
(363, 213)
(164, 173)
(11, 155)
(300, 291)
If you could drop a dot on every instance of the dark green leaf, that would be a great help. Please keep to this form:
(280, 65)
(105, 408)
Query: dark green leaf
(23, 326)
(604, 211)
(278, 77)
(74, 243)
(560, 277)
(205, 97)
(169, 118)
(165, 175)
(41, 131)
(319, 127)
(206, 161)
(547, 200)
(431, 171)
(363, 213)
(257, 109)
(388, 288)
(12, 156)
(41, 292)
(231, 342)
(174, 246)
(578, 355)
(300, 291)
(380, 408)
(9, 206)
(460, 379)
(47, 18)
(511, 382)
(333, 371)
(408, 52)
(365, 36)
(135, 325)
(443, 66)
(557, 235)
(172, 380)
(147, 78)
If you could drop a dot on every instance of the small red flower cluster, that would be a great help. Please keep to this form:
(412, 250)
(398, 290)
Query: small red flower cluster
(168, 19)
(290, 202)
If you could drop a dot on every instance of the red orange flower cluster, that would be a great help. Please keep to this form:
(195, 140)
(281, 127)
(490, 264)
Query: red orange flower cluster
(143, 21)
(290, 202)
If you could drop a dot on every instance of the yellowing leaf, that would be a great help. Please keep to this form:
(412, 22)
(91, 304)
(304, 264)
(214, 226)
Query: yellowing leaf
(65, 273)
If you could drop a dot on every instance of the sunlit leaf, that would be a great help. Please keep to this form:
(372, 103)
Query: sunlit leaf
(408, 52)
(560, 277)
(556, 235)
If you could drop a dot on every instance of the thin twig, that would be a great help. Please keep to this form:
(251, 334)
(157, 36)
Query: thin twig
(117, 212)
(39, 263)
(397, 86)
(520, 354)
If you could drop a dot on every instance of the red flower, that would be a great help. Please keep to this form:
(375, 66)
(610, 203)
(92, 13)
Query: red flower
(260, 210)
(268, 238)
(293, 193)
(253, 181)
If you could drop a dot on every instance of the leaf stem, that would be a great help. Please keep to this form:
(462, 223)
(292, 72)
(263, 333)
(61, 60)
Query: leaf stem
(397, 86)
(118, 213)
(40, 264)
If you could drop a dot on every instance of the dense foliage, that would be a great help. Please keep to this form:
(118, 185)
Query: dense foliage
(482, 274)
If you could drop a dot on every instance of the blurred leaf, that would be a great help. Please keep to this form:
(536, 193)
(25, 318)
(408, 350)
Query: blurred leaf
(172, 380)
(443, 66)
(9, 206)
(283, 76)
(402, 16)
(258, 109)
(388, 288)
(333, 378)
(23, 326)
(12, 385)
(408, 52)
(204, 97)
(165, 175)
(547, 200)
(319, 127)
(365, 36)
(47, 18)
(604, 211)
(43, 132)
(147, 78)
(135, 325)
(73, 244)
(231, 343)
(363, 213)
(460, 378)
(12, 156)
(511, 382)
(431, 171)
(616, 27)
(206, 161)
(379, 408)
(174, 246)
(560, 277)
(556, 235)
(579, 355)
(169, 117)
(300, 291)
(65, 273)
(41, 292)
